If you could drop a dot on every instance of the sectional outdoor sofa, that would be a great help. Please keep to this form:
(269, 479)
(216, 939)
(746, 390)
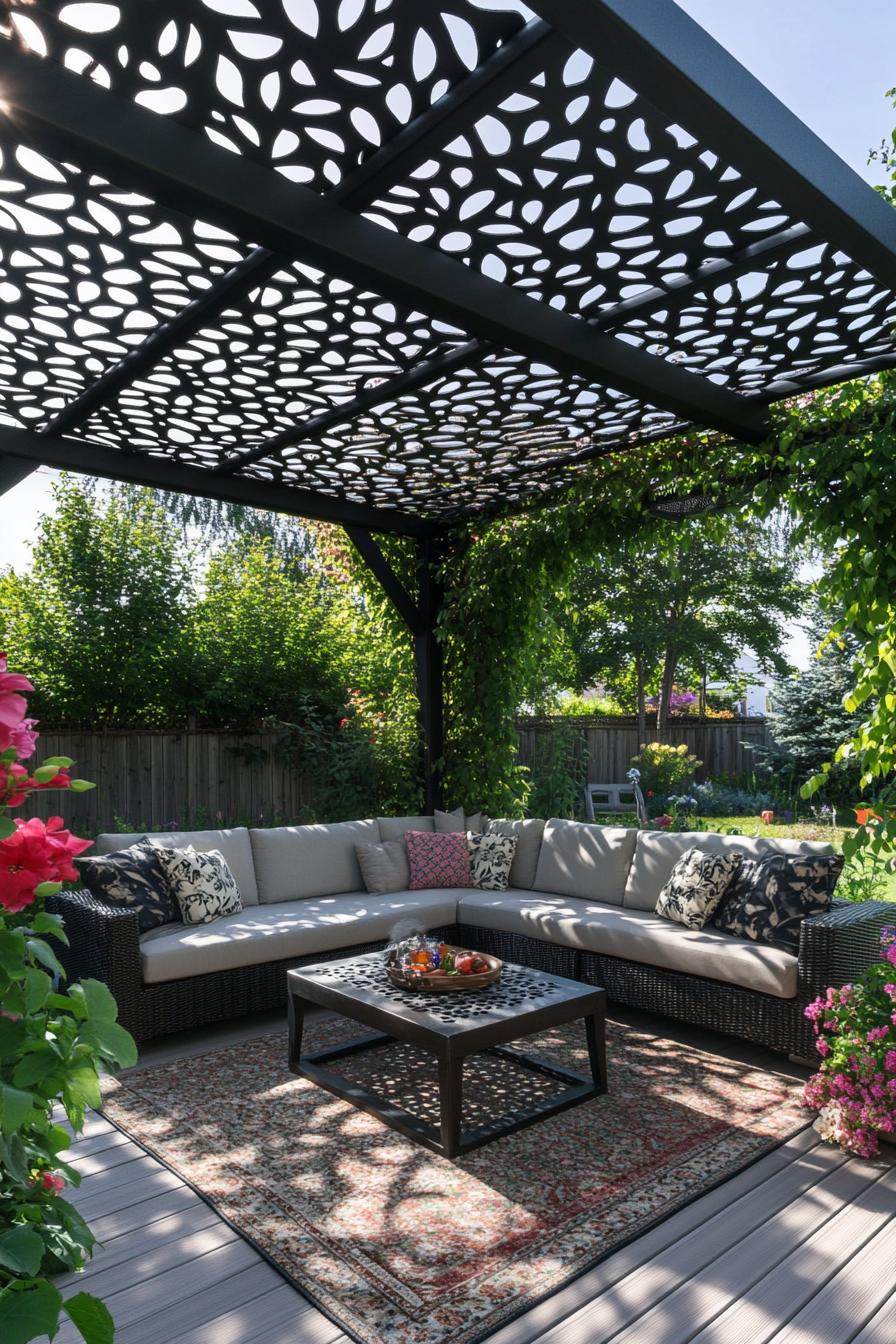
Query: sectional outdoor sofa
(581, 904)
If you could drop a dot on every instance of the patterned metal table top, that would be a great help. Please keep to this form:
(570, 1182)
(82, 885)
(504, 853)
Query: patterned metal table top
(519, 992)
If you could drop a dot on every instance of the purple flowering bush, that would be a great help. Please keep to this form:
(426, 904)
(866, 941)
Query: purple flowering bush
(854, 1090)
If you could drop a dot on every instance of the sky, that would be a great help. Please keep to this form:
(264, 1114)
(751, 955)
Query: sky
(830, 61)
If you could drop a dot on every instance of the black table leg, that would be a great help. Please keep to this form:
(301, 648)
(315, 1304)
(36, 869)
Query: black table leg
(295, 1008)
(451, 1100)
(597, 1049)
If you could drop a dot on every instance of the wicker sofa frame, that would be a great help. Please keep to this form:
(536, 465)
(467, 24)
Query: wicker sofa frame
(834, 949)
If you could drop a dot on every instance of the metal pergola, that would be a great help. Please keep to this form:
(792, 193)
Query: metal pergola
(396, 264)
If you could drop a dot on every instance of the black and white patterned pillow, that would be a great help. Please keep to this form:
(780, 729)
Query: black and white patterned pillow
(772, 895)
(202, 884)
(490, 858)
(132, 877)
(697, 884)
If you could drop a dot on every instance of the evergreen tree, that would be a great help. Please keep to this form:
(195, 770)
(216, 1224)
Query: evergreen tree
(808, 721)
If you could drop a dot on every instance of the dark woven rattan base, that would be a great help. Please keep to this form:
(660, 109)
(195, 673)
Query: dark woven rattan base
(834, 948)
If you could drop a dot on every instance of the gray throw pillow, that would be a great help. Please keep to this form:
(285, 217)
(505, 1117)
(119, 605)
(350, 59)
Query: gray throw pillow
(457, 820)
(696, 886)
(384, 867)
(202, 884)
(132, 877)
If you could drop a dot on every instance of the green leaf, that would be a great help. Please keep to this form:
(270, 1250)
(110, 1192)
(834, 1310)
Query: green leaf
(21, 1250)
(112, 1041)
(12, 949)
(42, 952)
(14, 1158)
(29, 1313)
(12, 1037)
(81, 786)
(92, 1317)
(34, 1068)
(59, 762)
(45, 889)
(98, 999)
(37, 988)
(82, 1086)
(44, 922)
(44, 773)
(7, 828)
(16, 1107)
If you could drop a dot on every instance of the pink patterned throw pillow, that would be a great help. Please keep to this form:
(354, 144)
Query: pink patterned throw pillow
(438, 859)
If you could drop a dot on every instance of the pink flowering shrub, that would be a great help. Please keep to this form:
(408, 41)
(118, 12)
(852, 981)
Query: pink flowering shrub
(854, 1090)
(54, 1042)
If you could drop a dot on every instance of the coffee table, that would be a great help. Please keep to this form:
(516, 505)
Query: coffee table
(449, 1027)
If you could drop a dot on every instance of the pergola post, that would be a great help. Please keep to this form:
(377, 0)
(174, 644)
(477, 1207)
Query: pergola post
(428, 664)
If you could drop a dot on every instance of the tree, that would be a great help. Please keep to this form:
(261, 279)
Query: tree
(808, 720)
(682, 602)
(99, 621)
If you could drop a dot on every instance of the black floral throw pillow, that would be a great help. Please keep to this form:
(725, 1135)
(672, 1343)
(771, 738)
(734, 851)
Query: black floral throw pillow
(132, 877)
(772, 896)
(491, 856)
(202, 884)
(696, 885)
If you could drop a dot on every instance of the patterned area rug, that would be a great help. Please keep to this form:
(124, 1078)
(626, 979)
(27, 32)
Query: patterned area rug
(402, 1247)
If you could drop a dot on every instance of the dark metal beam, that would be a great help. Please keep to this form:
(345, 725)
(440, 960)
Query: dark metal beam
(417, 376)
(519, 59)
(12, 472)
(145, 469)
(385, 575)
(714, 273)
(69, 116)
(661, 52)
(818, 379)
(429, 668)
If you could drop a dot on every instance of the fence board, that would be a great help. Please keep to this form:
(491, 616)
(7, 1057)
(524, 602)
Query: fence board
(153, 779)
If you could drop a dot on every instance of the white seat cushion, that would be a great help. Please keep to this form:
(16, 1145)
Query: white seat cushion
(233, 843)
(636, 935)
(288, 929)
(657, 853)
(579, 858)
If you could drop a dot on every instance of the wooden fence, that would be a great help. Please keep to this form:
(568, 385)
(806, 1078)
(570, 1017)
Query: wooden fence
(723, 745)
(194, 778)
(159, 780)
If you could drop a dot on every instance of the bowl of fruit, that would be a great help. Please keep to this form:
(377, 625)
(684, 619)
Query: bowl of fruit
(439, 968)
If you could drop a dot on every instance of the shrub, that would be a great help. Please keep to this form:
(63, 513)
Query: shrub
(559, 771)
(722, 800)
(664, 768)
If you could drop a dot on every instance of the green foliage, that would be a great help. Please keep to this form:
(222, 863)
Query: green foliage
(865, 877)
(262, 639)
(559, 770)
(53, 1044)
(578, 706)
(98, 623)
(664, 768)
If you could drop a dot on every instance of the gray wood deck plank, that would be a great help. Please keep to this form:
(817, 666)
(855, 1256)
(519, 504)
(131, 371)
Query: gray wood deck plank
(155, 1182)
(881, 1329)
(850, 1298)
(142, 1241)
(755, 1315)
(701, 1295)
(605, 1299)
(143, 1214)
(132, 1298)
(115, 1155)
(202, 1308)
(269, 1319)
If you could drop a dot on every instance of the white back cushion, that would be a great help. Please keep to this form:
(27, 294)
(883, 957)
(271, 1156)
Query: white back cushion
(234, 844)
(295, 862)
(578, 858)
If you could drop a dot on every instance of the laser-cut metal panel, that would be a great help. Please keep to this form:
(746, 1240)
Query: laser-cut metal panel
(302, 344)
(811, 311)
(86, 271)
(483, 437)
(312, 86)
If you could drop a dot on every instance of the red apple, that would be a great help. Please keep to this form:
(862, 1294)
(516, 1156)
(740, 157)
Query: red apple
(464, 964)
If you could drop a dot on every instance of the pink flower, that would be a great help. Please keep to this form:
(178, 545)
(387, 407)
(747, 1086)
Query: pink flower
(767, 816)
(822, 1047)
(664, 822)
(891, 954)
(36, 852)
(53, 1184)
(13, 708)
